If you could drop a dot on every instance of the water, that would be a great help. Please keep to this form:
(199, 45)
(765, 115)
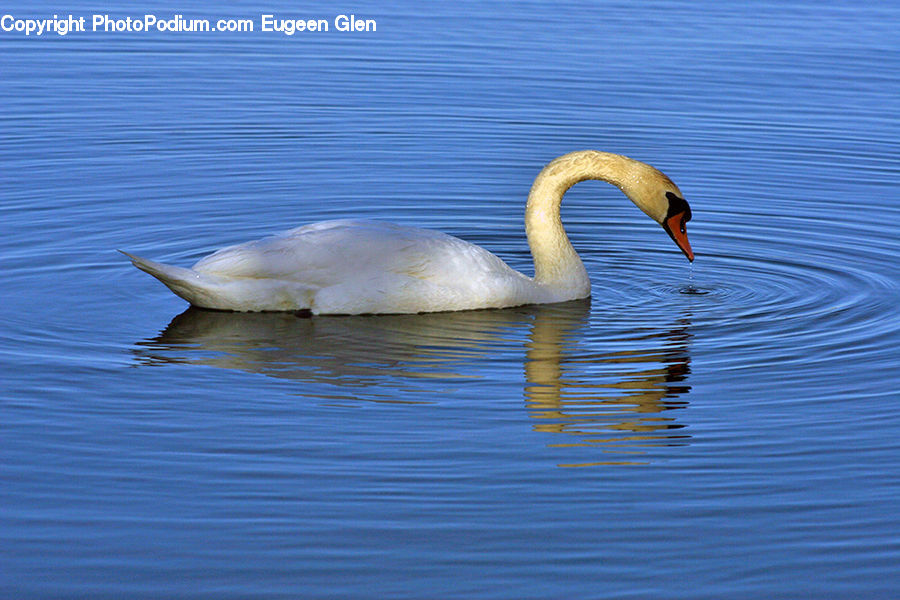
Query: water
(723, 430)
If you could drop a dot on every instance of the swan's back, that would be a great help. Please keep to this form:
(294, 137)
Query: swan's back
(331, 251)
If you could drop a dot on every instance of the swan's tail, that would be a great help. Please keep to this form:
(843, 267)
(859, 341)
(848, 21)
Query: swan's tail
(208, 290)
(200, 289)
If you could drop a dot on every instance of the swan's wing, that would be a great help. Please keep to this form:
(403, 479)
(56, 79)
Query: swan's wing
(372, 267)
(333, 252)
(350, 267)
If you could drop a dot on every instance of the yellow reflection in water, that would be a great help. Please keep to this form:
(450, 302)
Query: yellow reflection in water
(628, 390)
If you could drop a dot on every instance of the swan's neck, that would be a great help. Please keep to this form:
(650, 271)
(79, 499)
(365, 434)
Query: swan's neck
(556, 264)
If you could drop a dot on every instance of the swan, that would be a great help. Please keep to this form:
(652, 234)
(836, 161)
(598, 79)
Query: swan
(361, 266)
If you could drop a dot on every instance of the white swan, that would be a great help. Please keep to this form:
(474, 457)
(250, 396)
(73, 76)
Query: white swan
(357, 267)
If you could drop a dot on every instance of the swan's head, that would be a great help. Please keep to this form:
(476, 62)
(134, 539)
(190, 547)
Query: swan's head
(660, 199)
(677, 215)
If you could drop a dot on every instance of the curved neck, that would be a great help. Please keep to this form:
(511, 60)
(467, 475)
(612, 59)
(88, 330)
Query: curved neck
(556, 263)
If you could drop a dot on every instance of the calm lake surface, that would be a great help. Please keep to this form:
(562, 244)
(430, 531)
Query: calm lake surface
(729, 429)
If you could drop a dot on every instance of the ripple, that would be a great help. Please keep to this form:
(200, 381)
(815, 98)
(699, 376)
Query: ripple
(687, 289)
(692, 290)
(772, 282)
(784, 292)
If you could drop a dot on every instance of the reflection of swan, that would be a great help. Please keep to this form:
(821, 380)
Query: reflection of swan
(355, 267)
(570, 387)
(350, 351)
(622, 391)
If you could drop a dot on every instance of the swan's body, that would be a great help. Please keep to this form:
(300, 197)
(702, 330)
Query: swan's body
(354, 267)
(351, 267)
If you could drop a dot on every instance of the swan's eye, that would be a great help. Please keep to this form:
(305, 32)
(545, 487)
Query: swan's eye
(677, 204)
(683, 228)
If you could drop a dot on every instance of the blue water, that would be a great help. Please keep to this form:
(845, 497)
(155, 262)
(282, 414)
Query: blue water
(722, 430)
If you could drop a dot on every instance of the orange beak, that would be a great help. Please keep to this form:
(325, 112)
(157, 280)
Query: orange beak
(675, 227)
